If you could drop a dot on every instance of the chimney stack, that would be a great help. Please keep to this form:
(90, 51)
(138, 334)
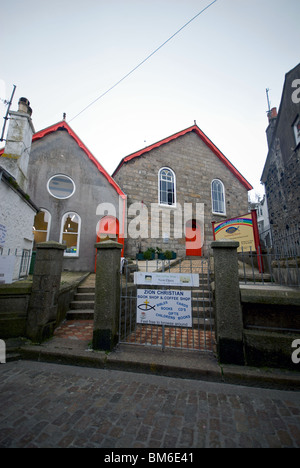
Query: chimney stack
(272, 116)
(15, 158)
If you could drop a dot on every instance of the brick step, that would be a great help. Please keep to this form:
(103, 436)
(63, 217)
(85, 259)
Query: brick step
(80, 314)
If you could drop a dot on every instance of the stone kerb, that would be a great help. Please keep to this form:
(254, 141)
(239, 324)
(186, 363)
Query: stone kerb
(107, 295)
(228, 309)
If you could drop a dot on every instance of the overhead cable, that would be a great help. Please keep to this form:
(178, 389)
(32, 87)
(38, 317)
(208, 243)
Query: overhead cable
(143, 61)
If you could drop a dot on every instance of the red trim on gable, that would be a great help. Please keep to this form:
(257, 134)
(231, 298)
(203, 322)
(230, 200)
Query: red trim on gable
(65, 126)
(205, 140)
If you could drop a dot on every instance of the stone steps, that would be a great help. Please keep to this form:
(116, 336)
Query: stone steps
(82, 307)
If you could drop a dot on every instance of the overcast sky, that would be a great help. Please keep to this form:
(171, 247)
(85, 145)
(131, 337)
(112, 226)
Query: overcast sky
(64, 54)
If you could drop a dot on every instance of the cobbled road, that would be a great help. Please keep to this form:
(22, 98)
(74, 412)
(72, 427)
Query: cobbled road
(51, 405)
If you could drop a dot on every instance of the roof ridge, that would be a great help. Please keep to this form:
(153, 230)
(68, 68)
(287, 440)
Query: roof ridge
(204, 138)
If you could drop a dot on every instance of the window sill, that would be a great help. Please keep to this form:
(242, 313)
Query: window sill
(218, 214)
(167, 206)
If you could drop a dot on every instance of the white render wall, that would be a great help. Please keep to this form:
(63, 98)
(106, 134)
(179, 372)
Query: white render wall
(16, 222)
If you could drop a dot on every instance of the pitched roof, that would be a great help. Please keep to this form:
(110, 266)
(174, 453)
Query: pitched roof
(64, 126)
(204, 138)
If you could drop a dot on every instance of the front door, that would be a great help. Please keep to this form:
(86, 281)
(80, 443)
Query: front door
(193, 243)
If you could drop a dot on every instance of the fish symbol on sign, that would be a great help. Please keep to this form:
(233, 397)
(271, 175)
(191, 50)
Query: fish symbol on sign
(146, 306)
(232, 230)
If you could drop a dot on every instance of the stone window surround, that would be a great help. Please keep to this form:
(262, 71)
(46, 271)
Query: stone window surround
(173, 205)
(212, 199)
(68, 254)
(48, 224)
(63, 176)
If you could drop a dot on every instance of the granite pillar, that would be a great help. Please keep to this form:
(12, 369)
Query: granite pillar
(43, 302)
(107, 296)
(228, 308)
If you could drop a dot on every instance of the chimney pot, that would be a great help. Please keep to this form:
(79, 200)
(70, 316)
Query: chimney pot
(24, 106)
(272, 114)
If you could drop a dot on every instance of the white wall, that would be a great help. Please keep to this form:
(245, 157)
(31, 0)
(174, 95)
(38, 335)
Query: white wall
(16, 221)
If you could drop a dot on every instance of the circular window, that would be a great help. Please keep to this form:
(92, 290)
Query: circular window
(61, 186)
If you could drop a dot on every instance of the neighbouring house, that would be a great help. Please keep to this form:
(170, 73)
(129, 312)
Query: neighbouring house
(281, 174)
(176, 188)
(263, 222)
(17, 210)
(78, 200)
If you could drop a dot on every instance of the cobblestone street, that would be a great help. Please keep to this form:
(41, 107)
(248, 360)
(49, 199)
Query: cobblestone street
(50, 405)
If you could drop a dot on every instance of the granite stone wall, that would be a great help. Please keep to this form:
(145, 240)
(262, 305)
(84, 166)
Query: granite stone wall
(195, 167)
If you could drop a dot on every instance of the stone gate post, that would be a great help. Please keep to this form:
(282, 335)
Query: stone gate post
(228, 309)
(42, 310)
(107, 295)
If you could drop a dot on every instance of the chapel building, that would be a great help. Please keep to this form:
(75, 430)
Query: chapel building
(175, 189)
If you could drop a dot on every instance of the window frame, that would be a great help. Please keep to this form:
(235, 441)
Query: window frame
(48, 224)
(63, 220)
(160, 202)
(67, 177)
(25, 263)
(223, 213)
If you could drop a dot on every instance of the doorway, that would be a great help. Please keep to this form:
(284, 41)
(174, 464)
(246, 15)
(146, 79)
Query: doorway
(193, 244)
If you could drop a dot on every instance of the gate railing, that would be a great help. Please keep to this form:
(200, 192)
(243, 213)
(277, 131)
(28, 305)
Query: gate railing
(268, 268)
(200, 336)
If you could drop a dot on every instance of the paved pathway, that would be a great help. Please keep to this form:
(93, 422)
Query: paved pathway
(50, 405)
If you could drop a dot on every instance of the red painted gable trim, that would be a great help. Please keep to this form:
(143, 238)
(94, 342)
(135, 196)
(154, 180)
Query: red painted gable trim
(64, 125)
(204, 138)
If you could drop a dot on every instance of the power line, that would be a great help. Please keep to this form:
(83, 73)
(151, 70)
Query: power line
(145, 60)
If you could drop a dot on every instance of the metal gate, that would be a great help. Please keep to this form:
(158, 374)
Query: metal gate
(198, 337)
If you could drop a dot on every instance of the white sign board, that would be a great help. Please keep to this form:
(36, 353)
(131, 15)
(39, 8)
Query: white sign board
(7, 265)
(167, 279)
(164, 307)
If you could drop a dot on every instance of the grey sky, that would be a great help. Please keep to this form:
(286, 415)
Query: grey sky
(64, 54)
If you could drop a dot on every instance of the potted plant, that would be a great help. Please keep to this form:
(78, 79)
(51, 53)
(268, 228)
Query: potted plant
(168, 255)
(160, 254)
(149, 254)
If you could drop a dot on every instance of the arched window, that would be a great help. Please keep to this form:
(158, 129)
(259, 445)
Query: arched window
(70, 234)
(41, 226)
(218, 197)
(167, 187)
